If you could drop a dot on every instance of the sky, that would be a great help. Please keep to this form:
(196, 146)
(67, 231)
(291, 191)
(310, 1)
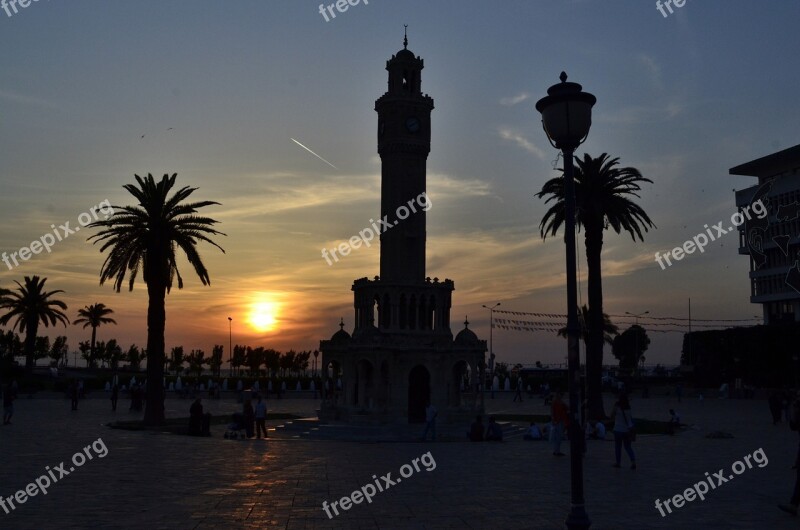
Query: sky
(94, 93)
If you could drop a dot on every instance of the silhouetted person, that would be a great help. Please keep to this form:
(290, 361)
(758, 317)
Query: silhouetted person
(249, 418)
(493, 432)
(196, 418)
(794, 424)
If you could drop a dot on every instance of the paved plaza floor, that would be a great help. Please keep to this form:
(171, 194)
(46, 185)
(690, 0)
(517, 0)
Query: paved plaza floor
(152, 481)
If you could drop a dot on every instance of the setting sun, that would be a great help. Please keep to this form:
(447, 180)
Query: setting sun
(263, 316)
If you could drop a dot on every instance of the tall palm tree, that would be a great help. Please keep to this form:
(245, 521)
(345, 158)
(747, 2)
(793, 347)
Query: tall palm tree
(94, 315)
(31, 305)
(145, 237)
(603, 194)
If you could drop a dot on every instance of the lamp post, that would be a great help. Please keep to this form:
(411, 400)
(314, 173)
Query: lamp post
(636, 335)
(566, 118)
(230, 346)
(491, 350)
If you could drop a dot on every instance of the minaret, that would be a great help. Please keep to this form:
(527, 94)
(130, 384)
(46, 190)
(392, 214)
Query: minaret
(404, 141)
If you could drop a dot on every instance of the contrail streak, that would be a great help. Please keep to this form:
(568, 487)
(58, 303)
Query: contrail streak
(313, 153)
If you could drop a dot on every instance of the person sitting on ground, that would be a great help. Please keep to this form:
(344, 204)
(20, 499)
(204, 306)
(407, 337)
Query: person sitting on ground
(196, 418)
(493, 432)
(475, 433)
(533, 433)
(595, 430)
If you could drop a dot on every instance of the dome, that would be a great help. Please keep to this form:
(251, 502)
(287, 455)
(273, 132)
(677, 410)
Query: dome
(405, 54)
(341, 336)
(466, 337)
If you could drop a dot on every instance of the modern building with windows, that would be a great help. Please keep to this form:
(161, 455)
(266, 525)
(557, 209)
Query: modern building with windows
(773, 242)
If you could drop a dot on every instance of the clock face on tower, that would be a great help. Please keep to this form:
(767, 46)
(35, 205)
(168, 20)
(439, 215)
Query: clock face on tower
(412, 124)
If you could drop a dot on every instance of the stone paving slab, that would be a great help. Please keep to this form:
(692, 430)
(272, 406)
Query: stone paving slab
(151, 480)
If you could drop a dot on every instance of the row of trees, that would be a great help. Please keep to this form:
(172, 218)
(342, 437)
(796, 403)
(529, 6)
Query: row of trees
(140, 239)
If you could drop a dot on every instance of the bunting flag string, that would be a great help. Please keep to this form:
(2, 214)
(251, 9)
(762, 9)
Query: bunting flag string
(630, 317)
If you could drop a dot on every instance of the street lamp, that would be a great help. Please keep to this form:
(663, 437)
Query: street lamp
(230, 346)
(566, 118)
(491, 350)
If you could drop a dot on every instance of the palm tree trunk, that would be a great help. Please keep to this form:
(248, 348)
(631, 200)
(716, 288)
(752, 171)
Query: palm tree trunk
(156, 321)
(594, 347)
(32, 328)
(91, 350)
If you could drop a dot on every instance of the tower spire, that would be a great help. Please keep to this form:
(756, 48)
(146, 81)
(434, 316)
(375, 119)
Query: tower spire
(405, 40)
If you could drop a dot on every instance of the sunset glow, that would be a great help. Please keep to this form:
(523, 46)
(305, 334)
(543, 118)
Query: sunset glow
(263, 315)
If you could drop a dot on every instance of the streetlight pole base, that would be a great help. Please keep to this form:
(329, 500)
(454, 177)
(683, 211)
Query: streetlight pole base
(577, 518)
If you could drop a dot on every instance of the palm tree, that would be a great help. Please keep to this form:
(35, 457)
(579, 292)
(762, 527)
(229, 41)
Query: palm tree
(94, 315)
(603, 198)
(31, 305)
(610, 330)
(144, 238)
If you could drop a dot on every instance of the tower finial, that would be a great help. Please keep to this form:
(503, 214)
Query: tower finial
(341, 324)
(405, 40)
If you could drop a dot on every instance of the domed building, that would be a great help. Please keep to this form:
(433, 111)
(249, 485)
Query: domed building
(401, 353)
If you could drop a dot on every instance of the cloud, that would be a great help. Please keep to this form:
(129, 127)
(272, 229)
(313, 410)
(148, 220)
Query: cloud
(27, 100)
(514, 100)
(507, 134)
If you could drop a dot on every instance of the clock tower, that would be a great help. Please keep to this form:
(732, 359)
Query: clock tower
(404, 141)
(402, 354)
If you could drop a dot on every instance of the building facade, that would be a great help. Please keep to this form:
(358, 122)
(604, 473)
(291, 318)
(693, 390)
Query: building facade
(773, 242)
(401, 353)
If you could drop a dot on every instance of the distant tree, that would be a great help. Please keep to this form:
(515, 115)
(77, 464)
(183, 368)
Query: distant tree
(196, 360)
(134, 356)
(29, 305)
(254, 359)
(113, 354)
(239, 356)
(287, 361)
(301, 362)
(59, 350)
(41, 348)
(501, 371)
(94, 316)
(176, 359)
(86, 353)
(630, 346)
(10, 347)
(215, 361)
(272, 360)
(610, 330)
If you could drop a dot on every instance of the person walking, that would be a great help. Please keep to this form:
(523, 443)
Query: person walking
(8, 404)
(623, 429)
(559, 419)
(114, 397)
(261, 418)
(518, 395)
(430, 422)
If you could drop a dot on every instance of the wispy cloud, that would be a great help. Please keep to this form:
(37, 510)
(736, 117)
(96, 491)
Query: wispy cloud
(26, 100)
(515, 100)
(507, 134)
